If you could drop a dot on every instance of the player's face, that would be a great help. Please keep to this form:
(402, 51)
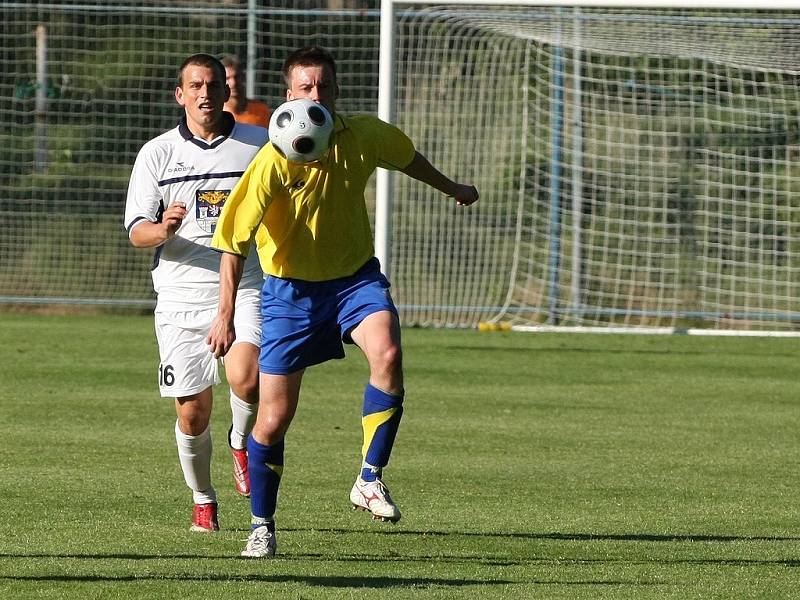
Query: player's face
(202, 94)
(316, 83)
(235, 82)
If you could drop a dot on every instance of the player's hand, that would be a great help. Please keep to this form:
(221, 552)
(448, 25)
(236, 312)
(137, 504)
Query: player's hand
(173, 217)
(466, 195)
(220, 336)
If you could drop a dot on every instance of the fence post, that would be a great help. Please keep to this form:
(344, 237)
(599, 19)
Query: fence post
(40, 110)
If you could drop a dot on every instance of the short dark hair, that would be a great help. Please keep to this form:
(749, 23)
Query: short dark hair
(310, 56)
(203, 60)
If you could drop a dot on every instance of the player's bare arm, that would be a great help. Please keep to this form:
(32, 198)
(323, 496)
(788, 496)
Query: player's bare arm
(149, 235)
(422, 170)
(222, 333)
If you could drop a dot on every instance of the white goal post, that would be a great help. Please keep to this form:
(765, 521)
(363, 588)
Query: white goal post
(638, 164)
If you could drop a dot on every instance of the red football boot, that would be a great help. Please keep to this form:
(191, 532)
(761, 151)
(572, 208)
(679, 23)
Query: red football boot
(204, 518)
(241, 478)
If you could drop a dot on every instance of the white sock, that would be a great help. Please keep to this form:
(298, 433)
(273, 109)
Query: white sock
(243, 417)
(194, 452)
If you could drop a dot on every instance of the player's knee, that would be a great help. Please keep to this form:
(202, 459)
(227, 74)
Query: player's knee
(389, 360)
(241, 371)
(245, 388)
(270, 429)
(194, 413)
(193, 423)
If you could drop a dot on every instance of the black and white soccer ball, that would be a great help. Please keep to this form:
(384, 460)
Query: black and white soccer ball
(301, 130)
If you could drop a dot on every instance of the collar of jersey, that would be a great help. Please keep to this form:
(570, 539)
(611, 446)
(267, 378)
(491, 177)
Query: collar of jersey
(227, 127)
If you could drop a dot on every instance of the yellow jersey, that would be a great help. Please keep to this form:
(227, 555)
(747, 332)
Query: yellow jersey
(310, 221)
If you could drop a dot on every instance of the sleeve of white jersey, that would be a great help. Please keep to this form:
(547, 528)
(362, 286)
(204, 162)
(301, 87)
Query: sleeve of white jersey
(145, 202)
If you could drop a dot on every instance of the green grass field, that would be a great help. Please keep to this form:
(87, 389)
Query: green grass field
(527, 466)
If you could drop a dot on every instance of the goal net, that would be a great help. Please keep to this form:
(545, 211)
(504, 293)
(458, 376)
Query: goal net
(637, 167)
(85, 83)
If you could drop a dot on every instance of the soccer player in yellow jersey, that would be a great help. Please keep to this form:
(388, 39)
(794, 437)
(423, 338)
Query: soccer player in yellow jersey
(323, 286)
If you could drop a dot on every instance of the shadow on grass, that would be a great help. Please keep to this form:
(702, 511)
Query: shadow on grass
(320, 581)
(575, 537)
(334, 582)
(390, 530)
(496, 559)
(471, 560)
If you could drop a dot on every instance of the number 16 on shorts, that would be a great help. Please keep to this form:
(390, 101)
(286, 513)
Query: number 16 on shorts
(166, 375)
(186, 366)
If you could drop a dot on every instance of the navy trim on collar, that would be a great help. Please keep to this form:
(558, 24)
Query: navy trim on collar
(228, 123)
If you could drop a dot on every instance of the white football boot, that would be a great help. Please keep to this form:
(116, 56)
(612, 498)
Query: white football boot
(261, 543)
(373, 497)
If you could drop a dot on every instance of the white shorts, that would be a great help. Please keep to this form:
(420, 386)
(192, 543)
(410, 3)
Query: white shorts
(187, 365)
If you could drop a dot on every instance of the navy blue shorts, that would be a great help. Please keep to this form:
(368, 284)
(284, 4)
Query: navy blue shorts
(306, 322)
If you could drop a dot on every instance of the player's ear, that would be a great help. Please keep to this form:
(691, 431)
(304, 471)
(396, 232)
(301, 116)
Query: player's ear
(227, 92)
(179, 96)
(289, 95)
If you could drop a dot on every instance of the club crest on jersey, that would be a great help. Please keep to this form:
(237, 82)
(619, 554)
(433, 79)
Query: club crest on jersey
(208, 207)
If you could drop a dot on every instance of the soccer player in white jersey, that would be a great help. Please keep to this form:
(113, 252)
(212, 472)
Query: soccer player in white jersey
(177, 190)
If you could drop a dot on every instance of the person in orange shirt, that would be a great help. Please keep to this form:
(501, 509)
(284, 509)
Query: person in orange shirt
(243, 109)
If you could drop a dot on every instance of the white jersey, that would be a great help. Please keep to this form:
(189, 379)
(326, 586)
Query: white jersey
(178, 167)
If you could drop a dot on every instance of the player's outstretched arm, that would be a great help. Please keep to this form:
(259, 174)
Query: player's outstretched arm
(222, 334)
(422, 170)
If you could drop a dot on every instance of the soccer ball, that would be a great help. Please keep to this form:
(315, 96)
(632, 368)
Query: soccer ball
(300, 130)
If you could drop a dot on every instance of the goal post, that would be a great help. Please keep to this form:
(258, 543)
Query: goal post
(637, 164)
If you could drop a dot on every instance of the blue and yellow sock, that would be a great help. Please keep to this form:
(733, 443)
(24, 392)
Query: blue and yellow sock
(265, 465)
(380, 420)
